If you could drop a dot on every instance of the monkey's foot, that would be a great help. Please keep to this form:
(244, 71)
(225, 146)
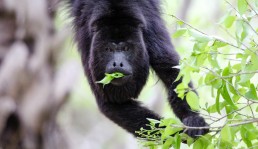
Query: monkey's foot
(195, 121)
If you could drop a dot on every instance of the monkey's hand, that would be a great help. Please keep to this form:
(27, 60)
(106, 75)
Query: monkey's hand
(195, 121)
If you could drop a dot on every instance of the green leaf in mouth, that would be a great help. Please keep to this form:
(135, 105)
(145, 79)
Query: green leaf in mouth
(109, 77)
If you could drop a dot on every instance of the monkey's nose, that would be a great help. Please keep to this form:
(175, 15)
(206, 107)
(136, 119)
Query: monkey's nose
(115, 64)
(119, 66)
(119, 63)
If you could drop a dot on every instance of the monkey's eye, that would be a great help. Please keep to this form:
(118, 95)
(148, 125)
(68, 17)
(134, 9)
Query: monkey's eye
(108, 49)
(126, 48)
(141, 26)
(94, 29)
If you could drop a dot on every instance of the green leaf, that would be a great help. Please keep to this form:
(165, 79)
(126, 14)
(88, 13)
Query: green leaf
(180, 32)
(218, 106)
(251, 132)
(200, 82)
(180, 75)
(242, 6)
(177, 141)
(239, 29)
(168, 131)
(180, 23)
(180, 90)
(246, 77)
(226, 71)
(256, 3)
(106, 80)
(254, 60)
(198, 144)
(211, 146)
(226, 95)
(190, 140)
(244, 33)
(200, 59)
(187, 78)
(116, 75)
(217, 83)
(150, 144)
(109, 77)
(200, 47)
(244, 135)
(230, 109)
(193, 100)
(153, 121)
(203, 142)
(169, 121)
(251, 94)
(213, 61)
(229, 21)
(209, 77)
(231, 88)
(219, 44)
(226, 134)
(168, 143)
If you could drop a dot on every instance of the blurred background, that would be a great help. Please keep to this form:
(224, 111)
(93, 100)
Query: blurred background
(45, 100)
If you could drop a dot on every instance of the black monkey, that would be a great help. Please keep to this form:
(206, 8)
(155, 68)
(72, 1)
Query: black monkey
(128, 36)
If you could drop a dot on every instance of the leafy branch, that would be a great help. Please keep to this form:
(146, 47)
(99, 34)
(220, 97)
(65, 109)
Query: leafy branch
(227, 72)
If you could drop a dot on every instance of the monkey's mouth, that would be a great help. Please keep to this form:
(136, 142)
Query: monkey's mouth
(123, 80)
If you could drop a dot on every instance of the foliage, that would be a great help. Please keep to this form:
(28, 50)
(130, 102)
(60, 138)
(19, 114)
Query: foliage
(229, 68)
(109, 77)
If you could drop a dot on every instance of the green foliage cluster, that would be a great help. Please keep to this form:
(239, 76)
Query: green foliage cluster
(229, 68)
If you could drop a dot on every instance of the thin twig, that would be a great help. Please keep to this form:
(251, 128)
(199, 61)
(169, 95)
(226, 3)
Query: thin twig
(217, 127)
(251, 8)
(221, 53)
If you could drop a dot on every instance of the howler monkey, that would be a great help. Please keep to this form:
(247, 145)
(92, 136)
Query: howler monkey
(128, 36)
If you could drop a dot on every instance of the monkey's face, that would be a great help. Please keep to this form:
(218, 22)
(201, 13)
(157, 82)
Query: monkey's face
(118, 46)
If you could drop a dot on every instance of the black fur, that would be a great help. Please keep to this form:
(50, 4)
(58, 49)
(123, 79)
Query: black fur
(137, 23)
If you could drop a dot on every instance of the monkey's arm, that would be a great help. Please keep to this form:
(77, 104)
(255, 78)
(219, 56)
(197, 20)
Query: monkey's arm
(130, 115)
(162, 58)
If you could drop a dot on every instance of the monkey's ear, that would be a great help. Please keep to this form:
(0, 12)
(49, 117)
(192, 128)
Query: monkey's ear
(142, 26)
(93, 24)
(93, 27)
(142, 23)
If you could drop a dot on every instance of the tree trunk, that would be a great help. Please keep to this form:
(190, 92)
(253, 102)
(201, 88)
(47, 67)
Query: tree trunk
(31, 89)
